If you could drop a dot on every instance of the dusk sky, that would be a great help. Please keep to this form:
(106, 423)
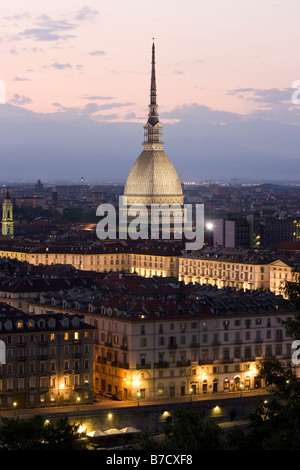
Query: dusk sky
(92, 58)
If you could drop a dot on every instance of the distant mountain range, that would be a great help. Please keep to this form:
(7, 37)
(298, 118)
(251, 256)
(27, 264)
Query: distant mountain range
(58, 146)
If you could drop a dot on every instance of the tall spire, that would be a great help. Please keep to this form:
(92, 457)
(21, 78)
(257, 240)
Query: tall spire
(153, 127)
(153, 105)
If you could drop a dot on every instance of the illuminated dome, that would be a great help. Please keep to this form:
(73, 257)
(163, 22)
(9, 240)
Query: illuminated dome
(153, 178)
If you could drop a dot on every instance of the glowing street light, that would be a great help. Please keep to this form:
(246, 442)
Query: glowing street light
(78, 400)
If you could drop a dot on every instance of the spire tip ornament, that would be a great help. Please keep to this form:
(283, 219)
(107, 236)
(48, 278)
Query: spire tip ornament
(152, 130)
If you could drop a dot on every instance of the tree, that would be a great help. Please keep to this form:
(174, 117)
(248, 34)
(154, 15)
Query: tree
(61, 436)
(188, 431)
(275, 423)
(17, 434)
(291, 290)
(36, 434)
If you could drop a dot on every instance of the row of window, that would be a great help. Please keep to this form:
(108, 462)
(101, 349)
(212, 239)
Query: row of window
(220, 265)
(44, 338)
(41, 323)
(52, 350)
(254, 335)
(172, 344)
(193, 339)
(42, 382)
(224, 354)
(43, 366)
(182, 326)
(204, 371)
(219, 274)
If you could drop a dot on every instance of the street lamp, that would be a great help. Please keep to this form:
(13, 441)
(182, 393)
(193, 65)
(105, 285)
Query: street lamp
(15, 407)
(78, 400)
(138, 395)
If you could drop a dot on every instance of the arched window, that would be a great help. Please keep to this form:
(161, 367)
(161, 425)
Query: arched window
(237, 383)
(247, 383)
(226, 385)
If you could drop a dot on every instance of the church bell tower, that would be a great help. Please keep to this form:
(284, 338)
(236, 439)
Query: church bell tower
(7, 217)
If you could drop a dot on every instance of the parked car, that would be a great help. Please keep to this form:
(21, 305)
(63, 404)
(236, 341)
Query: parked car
(114, 397)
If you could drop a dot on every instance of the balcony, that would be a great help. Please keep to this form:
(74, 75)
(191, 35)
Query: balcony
(269, 356)
(144, 366)
(183, 363)
(161, 365)
(226, 360)
(203, 362)
(172, 345)
(101, 360)
(194, 345)
(247, 358)
(77, 355)
(43, 357)
(122, 365)
(21, 358)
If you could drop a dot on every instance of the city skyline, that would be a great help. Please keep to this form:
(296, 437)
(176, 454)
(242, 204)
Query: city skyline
(225, 87)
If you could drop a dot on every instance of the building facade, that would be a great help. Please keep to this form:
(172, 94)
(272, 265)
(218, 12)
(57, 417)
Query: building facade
(104, 258)
(48, 360)
(183, 347)
(242, 269)
(236, 267)
(186, 357)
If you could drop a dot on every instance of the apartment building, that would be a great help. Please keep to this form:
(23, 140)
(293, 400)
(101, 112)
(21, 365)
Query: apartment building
(239, 268)
(118, 256)
(210, 341)
(45, 361)
(18, 291)
(197, 354)
(234, 267)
